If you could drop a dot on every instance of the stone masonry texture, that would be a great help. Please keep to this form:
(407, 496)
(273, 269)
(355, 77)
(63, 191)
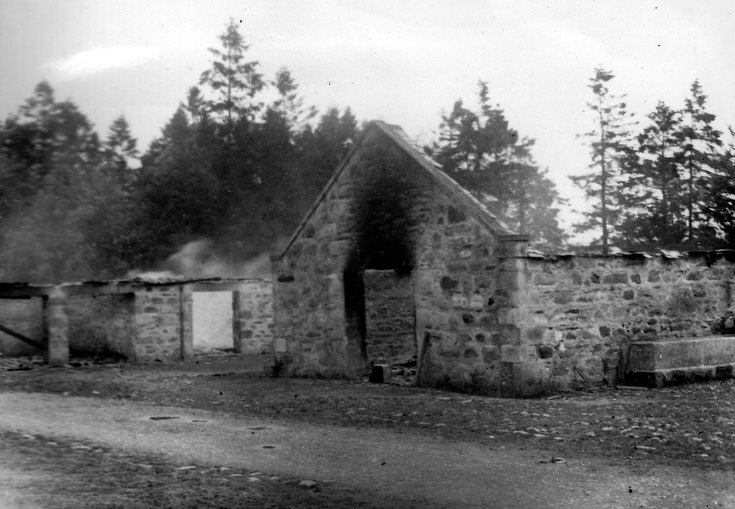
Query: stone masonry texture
(454, 274)
(389, 310)
(580, 313)
(100, 325)
(253, 317)
(157, 323)
(487, 317)
(24, 316)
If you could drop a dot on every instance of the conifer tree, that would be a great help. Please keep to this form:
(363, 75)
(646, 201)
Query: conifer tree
(486, 156)
(653, 192)
(609, 143)
(719, 195)
(233, 80)
(698, 163)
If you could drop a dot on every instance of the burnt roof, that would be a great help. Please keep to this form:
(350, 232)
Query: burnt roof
(461, 196)
(19, 289)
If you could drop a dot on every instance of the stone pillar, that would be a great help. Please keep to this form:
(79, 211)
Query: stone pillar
(187, 322)
(511, 283)
(513, 246)
(237, 320)
(58, 329)
(524, 374)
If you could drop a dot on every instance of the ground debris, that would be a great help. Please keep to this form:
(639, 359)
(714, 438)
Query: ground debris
(554, 459)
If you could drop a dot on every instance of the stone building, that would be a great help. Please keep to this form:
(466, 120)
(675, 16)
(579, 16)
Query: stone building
(396, 263)
(139, 320)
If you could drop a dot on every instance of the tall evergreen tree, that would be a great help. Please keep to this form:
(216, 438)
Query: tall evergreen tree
(609, 142)
(233, 80)
(289, 104)
(487, 157)
(120, 148)
(181, 197)
(323, 148)
(719, 195)
(653, 193)
(698, 163)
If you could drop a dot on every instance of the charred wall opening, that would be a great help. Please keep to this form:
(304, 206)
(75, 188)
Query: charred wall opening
(379, 298)
(383, 215)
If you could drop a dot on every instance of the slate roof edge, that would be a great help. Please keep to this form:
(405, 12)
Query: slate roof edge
(660, 253)
(8, 285)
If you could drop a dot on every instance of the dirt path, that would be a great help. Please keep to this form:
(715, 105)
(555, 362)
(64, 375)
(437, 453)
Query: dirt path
(451, 474)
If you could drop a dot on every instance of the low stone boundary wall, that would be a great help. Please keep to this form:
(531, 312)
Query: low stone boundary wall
(578, 315)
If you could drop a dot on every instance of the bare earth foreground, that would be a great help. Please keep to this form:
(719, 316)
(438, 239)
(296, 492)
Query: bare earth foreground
(217, 433)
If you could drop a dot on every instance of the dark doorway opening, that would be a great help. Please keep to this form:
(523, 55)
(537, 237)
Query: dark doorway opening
(381, 319)
(354, 288)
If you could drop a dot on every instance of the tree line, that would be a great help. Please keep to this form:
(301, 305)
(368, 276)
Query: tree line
(243, 157)
(229, 166)
(668, 183)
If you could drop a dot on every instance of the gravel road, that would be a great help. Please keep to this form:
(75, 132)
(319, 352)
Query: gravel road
(445, 473)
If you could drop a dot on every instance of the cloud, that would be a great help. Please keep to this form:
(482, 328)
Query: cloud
(101, 59)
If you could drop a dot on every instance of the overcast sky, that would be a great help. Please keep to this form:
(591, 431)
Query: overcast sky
(404, 62)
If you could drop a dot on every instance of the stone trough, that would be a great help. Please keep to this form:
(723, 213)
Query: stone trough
(660, 363)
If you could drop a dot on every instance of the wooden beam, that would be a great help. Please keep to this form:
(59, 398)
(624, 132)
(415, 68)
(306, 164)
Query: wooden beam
(215, 287)
(25, 339)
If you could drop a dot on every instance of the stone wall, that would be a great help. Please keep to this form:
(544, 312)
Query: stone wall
(488, 317)
(579, 314)
(457, 300)
(390, 317)
(253, 317)
(157, 323)
(451, 267)
(26, 317)
(100, 325)
(143, 322)
(310, 313)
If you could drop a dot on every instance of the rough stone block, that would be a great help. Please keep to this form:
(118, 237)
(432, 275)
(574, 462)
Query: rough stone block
(682, 353)
(530, 378)
(490, 353)
(514, 354)
(615, 278)
(544, 279)
(545, 351)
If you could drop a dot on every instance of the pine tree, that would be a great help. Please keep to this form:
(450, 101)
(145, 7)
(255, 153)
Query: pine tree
(233, 81)
(487, 157)
(719, 195)
(120, 148)
(609, 142)
(181, 197)
(698, 163)
(322, 149)
(653, 192)
(289, 104)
